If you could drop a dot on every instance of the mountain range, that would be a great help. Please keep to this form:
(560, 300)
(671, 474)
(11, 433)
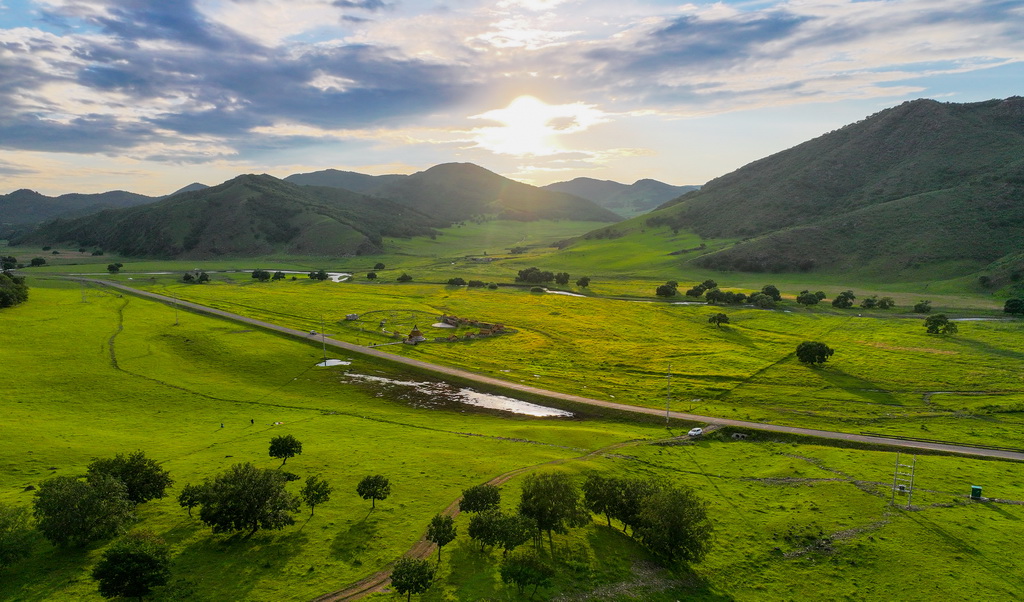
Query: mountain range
(626, 200)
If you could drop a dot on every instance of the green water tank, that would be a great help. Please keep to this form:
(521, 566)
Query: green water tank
(975, 492)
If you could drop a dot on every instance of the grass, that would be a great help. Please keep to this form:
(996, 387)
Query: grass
(888, 375)
(114, 374)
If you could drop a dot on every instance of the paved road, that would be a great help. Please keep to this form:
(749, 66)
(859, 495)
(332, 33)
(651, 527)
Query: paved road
(463, 374)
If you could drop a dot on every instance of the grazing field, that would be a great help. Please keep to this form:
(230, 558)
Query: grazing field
(97, 374)
(888, 374)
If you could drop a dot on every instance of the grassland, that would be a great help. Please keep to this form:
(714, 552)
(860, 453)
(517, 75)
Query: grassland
(795, 520)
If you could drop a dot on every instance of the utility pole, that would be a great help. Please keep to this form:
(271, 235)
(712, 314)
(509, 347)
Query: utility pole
(668, 393)
(323, 340)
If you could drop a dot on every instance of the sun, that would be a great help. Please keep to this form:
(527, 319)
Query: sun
(531, 126)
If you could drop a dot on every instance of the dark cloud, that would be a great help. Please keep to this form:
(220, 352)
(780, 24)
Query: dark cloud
(6, 169)
(370, 5)
(86, 134)
(689, 42)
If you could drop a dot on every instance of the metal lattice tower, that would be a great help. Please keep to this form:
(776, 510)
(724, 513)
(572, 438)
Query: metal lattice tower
(903, 479)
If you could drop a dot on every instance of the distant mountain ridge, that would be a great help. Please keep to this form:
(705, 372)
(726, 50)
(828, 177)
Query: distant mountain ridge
(921, 190)
(630, 200)
(459, 191)
(247, 216)
(25, 206)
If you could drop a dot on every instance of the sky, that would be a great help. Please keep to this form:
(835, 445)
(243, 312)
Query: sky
(151, 95)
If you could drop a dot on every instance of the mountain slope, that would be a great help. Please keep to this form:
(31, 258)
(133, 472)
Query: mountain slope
(456, 191)
(23, 207)
(922, 188)
(637, 198)
(249, 215)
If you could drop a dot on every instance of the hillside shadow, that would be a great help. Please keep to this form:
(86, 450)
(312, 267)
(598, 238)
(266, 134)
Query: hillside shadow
(349, 545)
(987, 349)
(737, 336)
(240, 563)
(868, 391)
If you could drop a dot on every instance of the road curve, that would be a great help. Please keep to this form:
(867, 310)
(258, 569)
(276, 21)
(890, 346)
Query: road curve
(479, 378)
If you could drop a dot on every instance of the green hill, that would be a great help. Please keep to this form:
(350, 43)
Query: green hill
(625, 200)
(454, 192)
(248, 216)
(923, 190)
(24, 208)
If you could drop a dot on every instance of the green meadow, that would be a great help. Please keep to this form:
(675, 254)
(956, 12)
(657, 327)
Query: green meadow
(94, 373)
(888, 374)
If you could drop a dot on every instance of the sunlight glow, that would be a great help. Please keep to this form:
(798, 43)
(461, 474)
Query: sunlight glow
(530, 126)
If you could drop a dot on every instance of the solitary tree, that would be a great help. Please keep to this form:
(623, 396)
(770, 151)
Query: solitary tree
(190, 496)
(143, 477)
(674, 524)
(525, 570)
(562, 278)
(583, 282)
(940, 324)
(665, 290)
(37, 261)
(378, 266)
(772, 291)
(807, 298)
(316, 491)
(844, 300)
(15, 534)
(404, 278)
(886, 303)
(441, 531)
(412, 576)
(480, 498)
(284, 447)
(114, 268)
(70, 511)
(1014, 306)
(718, 319)
(813, 352)
(247, 498)
(132, 567)
(374, 487)
(923, 307)
(371, 276)
(554, 502)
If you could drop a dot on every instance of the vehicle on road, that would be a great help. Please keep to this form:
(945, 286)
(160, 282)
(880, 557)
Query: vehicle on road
(696, 432)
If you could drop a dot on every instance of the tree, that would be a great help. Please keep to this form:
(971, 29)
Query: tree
(674, 525)
(583, 282)
(535, 276)
(844, 300)
(600, 495)
(143, 477)
(1014, 306)
(629, 501)
(378, 266)
(278, 275)
(284, 447)
(696, 291)
(480, 498)
(513, 530)
(456, 281)
(71, 511)
(374, 487)
(485, 527)
(525, 570)
(940, 324)
(718, 319)
(316, 491)
(247, 498)
(886, 303)
(132, 567)
(319, 275)
(869, 302)
(709, 284)
(13, 289)
(807, 298)
(261, 275)
(15, 534)
(404, 278)
(37, 261)
(762, 301)
(114, 268)
(412, 576)
(923, 307)
(441, 531)
(772, 291)
(190, 497)
(562, 278)
(811, 352)
(8, 263)
(554, 502)
(666, 290)
(371, 276)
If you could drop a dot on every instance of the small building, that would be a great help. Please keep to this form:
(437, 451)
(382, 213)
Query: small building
(415, 336)
(351, 317)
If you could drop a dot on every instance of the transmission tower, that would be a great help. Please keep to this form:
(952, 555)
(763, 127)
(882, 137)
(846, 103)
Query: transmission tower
(903, 479)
